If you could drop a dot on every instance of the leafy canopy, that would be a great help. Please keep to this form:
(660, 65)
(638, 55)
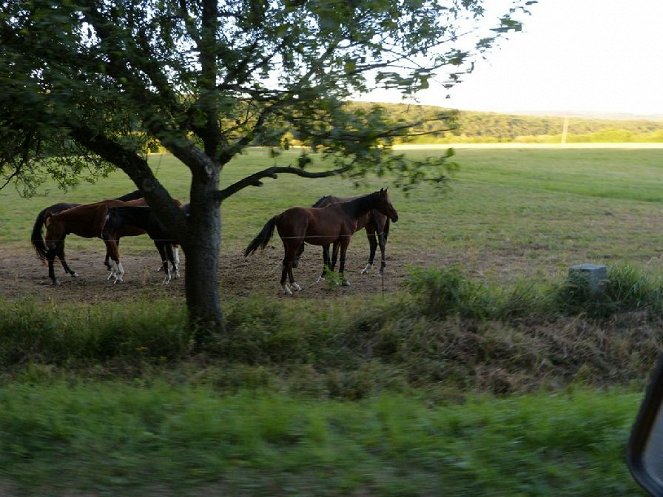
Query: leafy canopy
(88, 85)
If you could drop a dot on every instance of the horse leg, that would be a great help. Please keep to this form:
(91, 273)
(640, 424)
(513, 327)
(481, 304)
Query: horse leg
(334, 256)
(293, 283)
(284, 276)
(291, 249)
(383, 247)
(163, 252)
(175, 260)
(116, 269)
(108, 255)
(63, 261)
(50, 256)
(345, 241)
(300, 251)
(372, 243)
(325, 263)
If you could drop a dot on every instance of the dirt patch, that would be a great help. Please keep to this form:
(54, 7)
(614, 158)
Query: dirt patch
(23, 275)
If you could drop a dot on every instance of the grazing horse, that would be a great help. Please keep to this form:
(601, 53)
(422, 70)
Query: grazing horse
(83, 220)
(38, 240)
(377, 231)
(333, 224)
(120, 218)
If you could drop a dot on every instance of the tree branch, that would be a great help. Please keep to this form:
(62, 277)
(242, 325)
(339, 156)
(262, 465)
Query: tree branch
(272, 172)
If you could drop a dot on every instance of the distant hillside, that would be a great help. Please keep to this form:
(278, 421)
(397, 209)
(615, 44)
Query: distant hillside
(488, 127)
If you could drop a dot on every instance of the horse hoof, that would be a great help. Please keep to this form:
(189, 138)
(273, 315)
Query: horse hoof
(286, 290)
(367, 269)
(297, 287)
(345, 283)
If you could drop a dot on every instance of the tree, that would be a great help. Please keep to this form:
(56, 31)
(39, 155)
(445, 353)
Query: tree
(86, 83)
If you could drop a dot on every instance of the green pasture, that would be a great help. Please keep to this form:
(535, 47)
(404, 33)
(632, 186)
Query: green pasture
(510, 213)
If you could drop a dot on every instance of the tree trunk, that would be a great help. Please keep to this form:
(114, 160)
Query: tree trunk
(201, 248)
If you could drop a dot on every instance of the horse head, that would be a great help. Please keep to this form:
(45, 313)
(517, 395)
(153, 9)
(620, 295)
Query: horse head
(383, 204)
(55, 232)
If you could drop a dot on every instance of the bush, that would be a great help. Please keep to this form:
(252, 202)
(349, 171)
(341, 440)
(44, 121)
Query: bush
(626, 290)
(67, 334)
(444, 292)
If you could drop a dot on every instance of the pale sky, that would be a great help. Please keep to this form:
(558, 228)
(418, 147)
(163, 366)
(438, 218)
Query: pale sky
(575, 56)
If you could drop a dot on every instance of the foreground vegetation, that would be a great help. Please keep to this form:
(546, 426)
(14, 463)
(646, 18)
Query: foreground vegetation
(165, 440)
(407, 397)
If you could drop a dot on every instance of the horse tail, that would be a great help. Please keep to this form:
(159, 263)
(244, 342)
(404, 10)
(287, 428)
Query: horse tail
(262, 239)
(37, 238)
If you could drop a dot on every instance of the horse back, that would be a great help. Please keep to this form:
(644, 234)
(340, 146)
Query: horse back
(129, 220)
(314, 225)
(84, 220)
(372, 220)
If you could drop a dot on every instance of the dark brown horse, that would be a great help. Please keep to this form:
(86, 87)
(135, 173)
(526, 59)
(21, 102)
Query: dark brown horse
(37, 237)
(334, 223)
(143, 218)
(377, 231)
(83, 220)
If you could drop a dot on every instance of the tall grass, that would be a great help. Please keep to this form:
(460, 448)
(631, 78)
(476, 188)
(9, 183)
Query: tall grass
(450, 334)
(166, 440)
(448, 291)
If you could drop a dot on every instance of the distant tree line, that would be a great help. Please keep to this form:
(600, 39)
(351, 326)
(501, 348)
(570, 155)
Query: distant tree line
(439, 125)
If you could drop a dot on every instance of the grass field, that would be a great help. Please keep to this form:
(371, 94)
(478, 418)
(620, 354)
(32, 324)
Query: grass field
(348, 396)
(510, 213)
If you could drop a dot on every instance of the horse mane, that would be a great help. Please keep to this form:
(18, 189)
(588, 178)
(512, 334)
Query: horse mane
(359, 205)
(326, 200)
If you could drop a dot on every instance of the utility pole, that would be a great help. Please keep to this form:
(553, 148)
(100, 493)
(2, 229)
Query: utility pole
(565, 129)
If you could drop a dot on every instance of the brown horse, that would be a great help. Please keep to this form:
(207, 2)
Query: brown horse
(87, 221)
(377, 231)
(334, 223)
(38, 240)
(142, 217)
